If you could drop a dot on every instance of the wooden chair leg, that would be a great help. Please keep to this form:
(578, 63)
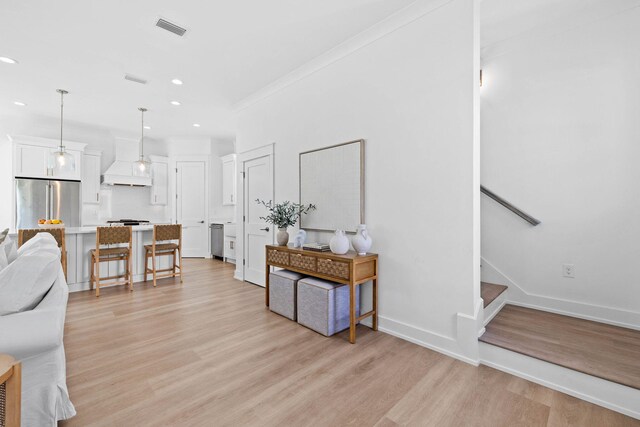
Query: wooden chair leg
(146, 264)
(173, 263)
(180, 265)
(97, 278)
(129, 269)
(92, 276)
(153, 264)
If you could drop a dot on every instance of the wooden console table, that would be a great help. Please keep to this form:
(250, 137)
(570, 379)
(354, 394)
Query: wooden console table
(351, 269)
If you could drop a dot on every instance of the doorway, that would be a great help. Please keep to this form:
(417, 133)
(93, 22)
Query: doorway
(191, 206)
(257, 177)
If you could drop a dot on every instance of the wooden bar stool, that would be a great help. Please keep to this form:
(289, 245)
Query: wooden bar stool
(10, 391)
(26, 234)
(164, 233)
(111, 236)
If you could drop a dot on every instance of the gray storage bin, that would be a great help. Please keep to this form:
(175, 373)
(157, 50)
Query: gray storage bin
(324, 306)
(282, 292)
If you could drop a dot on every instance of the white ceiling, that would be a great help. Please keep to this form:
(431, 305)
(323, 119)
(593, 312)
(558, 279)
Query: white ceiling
(231, 49)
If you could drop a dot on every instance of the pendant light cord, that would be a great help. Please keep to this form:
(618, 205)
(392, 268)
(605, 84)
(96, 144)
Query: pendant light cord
(62, 92)
(142, 110)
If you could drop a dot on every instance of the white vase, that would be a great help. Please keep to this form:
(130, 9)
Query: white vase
(339, 244)
(282, 237)
(362, 241)
(300, 238)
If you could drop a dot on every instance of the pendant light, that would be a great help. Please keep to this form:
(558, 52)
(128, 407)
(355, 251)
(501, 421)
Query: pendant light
(141, 167)
(61, 162)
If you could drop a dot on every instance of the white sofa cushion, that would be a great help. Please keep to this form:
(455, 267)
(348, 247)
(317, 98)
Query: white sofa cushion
(35, 337)
(9, 249)
(3, 259)
(39, 242)
(25, 281)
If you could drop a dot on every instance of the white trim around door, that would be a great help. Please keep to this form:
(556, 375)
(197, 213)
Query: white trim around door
(267, 151)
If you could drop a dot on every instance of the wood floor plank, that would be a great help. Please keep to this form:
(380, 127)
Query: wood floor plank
(597, 349)
(207, 352)
(490, 291)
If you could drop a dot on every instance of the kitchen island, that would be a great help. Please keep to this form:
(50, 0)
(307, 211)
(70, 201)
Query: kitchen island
(81, 240)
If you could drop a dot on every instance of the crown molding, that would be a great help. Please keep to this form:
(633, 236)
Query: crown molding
(397, 20)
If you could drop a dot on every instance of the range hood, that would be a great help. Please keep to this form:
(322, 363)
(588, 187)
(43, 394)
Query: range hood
(121, 171)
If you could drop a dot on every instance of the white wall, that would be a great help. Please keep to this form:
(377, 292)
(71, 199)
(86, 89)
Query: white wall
(210, 149)
(410, 95)
(561, 140)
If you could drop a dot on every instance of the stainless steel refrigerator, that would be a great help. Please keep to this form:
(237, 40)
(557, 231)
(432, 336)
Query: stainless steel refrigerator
(47, 199)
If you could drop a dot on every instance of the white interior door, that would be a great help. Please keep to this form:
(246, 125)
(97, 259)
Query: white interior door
(191, 207)
(258, 184)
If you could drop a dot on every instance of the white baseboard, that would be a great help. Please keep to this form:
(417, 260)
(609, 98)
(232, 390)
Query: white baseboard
(518, 296)
(610, 395)
(237, 274)
(424, 338)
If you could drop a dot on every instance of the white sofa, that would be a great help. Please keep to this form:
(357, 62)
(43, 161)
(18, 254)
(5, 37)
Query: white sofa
(34, 336)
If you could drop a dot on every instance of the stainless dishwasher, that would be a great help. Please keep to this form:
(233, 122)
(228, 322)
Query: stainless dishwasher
(217, 240)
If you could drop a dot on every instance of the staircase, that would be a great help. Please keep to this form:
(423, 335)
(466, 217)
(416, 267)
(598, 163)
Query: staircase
(596, 362)
(494, 297)
(593, 361)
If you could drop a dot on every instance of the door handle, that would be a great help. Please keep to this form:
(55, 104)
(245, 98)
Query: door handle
(201, 222)
(265, 229)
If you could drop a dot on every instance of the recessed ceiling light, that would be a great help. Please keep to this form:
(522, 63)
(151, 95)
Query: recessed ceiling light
(147, 127)
(175, 103)
(7, 60)
(196, 125)
(20, 103)
(176, 82)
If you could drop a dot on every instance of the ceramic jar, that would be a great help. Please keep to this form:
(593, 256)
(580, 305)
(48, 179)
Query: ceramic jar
(339, 244)
(282, 237)
(300, 238)
(362, 241)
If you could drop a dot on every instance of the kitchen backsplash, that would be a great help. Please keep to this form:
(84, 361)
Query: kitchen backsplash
(124, 202)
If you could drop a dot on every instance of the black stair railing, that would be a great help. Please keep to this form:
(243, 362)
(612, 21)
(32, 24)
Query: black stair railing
(522, 214)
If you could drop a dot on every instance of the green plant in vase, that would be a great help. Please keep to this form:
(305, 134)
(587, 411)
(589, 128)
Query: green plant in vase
(284, 215)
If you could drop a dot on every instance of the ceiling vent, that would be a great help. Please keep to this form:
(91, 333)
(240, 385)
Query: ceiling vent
(171, 27)
(135, 79)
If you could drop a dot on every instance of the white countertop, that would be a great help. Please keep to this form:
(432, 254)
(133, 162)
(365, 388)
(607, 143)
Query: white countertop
(92, 229)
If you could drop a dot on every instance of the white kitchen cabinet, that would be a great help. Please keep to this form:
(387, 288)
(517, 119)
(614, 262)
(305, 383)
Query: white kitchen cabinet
(229, 252)
(229, 179)
(31, 158)
(159, 180)
(72, 263)
(91, 177)
(84, 244)
(30, 161)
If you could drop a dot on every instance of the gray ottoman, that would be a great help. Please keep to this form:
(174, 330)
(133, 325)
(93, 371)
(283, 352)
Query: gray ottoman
(324, 306)
(282, 292)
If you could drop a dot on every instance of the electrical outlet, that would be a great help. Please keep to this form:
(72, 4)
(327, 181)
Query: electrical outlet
(568, 270)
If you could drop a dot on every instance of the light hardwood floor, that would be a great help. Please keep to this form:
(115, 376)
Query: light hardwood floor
(208, 353)
(597, 349)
